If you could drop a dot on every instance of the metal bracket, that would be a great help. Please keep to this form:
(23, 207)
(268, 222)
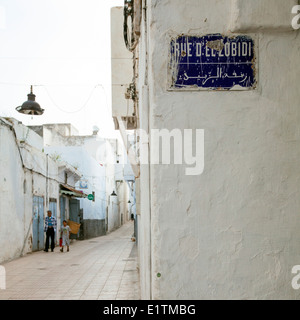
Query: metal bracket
(132, 10)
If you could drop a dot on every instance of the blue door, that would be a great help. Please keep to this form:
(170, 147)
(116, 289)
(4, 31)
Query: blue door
(74, 205)
(62, 201)
(53, 208)
(38, 224)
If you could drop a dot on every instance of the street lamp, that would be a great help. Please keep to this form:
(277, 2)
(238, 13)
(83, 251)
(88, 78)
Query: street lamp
(30, 107)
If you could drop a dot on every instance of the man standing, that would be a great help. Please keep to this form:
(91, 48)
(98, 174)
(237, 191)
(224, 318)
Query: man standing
(50, 229)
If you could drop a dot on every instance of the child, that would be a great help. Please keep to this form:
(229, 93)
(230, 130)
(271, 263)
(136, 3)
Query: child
(65, 234)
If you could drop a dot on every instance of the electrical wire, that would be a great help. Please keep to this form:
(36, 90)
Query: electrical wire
(65, 111)
(54, 102)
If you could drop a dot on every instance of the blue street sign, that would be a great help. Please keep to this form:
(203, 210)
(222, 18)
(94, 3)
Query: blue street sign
(213, 62)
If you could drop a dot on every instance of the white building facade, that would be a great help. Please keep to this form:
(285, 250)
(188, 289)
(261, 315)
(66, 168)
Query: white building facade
(230, 231)
(31, 184)
(101, 163)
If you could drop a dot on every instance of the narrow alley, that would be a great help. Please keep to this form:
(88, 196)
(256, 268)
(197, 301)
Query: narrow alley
(103, 268)
(162, 138)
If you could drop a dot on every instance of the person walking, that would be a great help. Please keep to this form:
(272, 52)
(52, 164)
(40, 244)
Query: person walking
(50, 229)
(65, 234)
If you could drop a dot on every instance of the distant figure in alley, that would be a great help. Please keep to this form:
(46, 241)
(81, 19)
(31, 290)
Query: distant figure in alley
(50, 229)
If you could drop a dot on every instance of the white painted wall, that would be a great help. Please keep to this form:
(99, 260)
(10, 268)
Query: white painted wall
(118, 206)
(17, 187)
(11, 198)
(96, 159)
(123, 196)
(114, 218)
(92, 172)
(121, 66)
(232, 232)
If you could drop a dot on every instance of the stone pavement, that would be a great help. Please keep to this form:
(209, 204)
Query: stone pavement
(103, 268)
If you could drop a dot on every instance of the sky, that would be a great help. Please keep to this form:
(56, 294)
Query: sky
(62, 48)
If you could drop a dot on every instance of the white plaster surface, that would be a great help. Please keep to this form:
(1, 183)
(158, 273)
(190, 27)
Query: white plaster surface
(121, 66)
(23, 173)
(17, 187)
(232, 232)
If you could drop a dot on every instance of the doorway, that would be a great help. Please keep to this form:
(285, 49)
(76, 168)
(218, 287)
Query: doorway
(38, 224)
(74, 214)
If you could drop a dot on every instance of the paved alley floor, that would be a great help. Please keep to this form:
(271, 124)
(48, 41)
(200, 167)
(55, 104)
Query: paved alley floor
(103, 268)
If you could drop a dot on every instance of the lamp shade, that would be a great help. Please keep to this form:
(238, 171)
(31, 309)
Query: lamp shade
(30, 107)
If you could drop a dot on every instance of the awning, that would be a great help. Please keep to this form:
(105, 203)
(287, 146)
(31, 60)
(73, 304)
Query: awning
(65, 189)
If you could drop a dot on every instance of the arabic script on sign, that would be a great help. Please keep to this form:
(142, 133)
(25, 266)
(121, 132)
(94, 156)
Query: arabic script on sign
(212, 62)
